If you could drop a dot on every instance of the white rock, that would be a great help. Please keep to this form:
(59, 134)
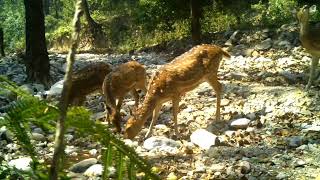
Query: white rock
(93, 152)
(21, 163)
(27, 87)
(98, 115)
(229, 133)
(94, 170)
(37, 130)
(161, 143)
(237, 75)
(38, 137)
(312, 129)
(55, 89)
(200, 167)
(217, 167)
(284, 43)
(300, 163)
(38, 87)
(68, 137)
(203, 138)
(70, 149)
(83, 165)
(241, 123)
(5, 134)
(264, 45)
(251, 116)
(245, 167)
(281, 175)
(128, 142)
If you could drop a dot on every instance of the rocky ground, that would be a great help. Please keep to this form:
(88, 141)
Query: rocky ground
(270, 125)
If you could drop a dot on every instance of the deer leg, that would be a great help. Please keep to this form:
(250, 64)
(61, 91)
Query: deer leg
(120, 100)
(136, 97)
(115, 114)
(155, 116)
(175, 109)
(216, 85)
(314, 65)
(108, 112)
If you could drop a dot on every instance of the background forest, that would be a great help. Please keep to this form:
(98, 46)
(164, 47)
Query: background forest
(133, 24)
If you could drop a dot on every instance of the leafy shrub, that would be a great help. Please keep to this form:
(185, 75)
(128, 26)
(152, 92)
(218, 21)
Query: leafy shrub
(12, 21)
(274, 13)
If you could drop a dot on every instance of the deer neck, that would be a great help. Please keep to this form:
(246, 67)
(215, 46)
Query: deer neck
(146, 110)
(304, 28)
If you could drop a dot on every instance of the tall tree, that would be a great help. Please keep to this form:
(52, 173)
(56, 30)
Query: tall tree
(97, 36)
(36, 56)
(1, 43)
(196, 13)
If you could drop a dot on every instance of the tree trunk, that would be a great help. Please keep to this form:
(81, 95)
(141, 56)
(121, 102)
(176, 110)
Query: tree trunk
(97, 36)
(36, 57)
(1, 43)
(64, 101)
(195, 21)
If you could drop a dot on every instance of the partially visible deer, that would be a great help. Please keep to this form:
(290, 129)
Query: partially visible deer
(310, 39)
(183, 74)
(87, 80)
(128, 77)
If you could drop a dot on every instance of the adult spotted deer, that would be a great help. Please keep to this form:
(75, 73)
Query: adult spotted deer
(183, 74)
(87, 80)
(128, 77)
(310, 40)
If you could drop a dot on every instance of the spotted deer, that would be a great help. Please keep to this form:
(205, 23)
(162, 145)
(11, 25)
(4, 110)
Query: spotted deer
(310, 40)
(183, 74)
(127, 77)
(87, 80)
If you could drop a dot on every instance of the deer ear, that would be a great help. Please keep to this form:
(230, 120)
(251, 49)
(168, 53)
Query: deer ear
(313, 9)
(294, 12)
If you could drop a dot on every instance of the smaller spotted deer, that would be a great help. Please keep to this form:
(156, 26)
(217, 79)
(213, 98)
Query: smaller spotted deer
(127, 77)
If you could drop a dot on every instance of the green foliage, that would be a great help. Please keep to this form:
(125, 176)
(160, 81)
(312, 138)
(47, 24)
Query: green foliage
(12, 21)
(30, 110)
(63, 32)
(281, 10)
(8, 172)
(217, 21)
(134, 24)
(275, 12)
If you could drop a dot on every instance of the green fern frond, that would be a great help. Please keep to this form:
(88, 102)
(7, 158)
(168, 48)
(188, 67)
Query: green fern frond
(100, 133)
(131, 171)
(5, 83)
(30, 110)
(119, 164)
(14, 121)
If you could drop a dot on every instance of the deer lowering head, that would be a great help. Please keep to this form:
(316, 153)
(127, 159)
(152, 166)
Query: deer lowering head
(184, 73)
(128, 77)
